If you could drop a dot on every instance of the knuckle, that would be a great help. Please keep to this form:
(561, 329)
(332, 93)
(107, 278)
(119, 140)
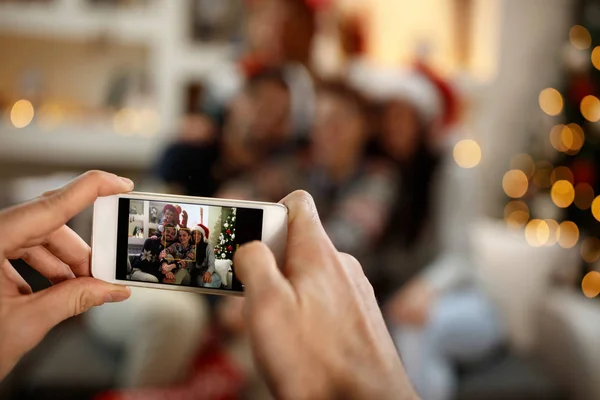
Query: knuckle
(82, 302)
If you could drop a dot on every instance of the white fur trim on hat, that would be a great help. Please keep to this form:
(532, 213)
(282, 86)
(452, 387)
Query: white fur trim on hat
(389, 84)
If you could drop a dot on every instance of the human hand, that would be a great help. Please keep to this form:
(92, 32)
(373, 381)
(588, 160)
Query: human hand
(411, 304)
(315, 326)
(170, 276)
(36, 232)
(207, 277)
(162, 254)
(164, 268)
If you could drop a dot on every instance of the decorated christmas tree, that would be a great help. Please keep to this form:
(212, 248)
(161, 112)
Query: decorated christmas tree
(226, 242)
(555, 190)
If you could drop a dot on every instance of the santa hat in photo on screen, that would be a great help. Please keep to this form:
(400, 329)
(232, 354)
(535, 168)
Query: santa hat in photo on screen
(203, 229)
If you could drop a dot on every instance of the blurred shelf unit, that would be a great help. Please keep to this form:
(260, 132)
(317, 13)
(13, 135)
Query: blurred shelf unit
(158, 32)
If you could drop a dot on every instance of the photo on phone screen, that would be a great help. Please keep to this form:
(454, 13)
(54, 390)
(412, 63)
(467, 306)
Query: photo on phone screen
(183, 244)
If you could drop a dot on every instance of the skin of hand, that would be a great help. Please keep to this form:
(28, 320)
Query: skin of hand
(165, 268)
(170, 276)
(207, 278)
(412, 304)
(36, 232)
(314, 323)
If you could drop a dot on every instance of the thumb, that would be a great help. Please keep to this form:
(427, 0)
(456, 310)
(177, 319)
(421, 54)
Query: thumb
(256, 267)
(69, 298)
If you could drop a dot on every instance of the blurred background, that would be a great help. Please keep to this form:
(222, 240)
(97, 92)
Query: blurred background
(450, 145)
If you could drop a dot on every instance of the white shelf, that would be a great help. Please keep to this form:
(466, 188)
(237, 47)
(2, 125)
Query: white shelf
(74, 20)
(78, 147)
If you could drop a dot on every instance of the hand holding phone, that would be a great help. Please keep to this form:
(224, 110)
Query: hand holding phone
(194, 256)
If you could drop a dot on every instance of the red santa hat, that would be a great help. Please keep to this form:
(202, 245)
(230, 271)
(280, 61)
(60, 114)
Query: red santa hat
(203, 229)
(171, 207)
(432, 97)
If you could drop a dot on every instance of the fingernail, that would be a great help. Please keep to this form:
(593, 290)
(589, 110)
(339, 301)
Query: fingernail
(116, 296)
(128, 181)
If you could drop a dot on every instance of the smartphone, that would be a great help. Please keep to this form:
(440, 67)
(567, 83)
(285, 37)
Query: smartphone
(180, 242)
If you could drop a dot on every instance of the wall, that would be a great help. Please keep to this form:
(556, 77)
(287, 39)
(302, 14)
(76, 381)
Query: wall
(533, 32)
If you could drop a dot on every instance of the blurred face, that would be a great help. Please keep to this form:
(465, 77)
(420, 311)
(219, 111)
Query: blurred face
(339, 131)
(400, 130)
(170, 217)
(197, 236)
(170, 234)
(271, 107)
(184, 237)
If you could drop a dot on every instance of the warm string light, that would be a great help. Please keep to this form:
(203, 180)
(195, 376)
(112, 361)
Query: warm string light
(516, 214)
(580, 37)
(562, 194)
(590, 285)
(21, 113)
(584, 195)
(551, 101)
(467, 153)
(567, 234)
(515, 183)
(543, 172)
(537, 232)
(590, 249)
(523, 162)
(561, 174)
(590, 108)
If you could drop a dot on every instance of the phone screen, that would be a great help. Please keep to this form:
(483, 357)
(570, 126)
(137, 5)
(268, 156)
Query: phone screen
(183, 244)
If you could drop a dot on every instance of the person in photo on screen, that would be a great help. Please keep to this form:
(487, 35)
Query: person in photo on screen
(178, 258)
(203, 269)
(171, 215)
(147, 268)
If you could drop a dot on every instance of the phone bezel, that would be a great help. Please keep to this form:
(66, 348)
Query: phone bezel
(104, 234)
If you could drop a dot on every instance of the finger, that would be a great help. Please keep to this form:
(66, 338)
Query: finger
(40, 259)
(51, 306)
(307, 240)
(71, 249)
(257, 269)
(11, 282)
(29, 223)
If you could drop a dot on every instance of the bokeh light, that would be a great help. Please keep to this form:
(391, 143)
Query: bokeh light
(515, 183)
(523, 162)
(590, 285)
(561, 174)
(553, 232)
(580, 37)
(590, 108)
(596, 57)
(567, 138)
(126, 121)
(556, 137)
(467, 153)
(149, 122)
(590, 249)
(551, 101)
(596, 208)
(516, 214)
(568, 234)
(577, 139)
(537, 232)
(21, 113)
(562, 194)
(584, 195)
(543, 171)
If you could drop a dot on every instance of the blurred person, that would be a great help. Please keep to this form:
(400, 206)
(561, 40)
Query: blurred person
(359, 364)
(424, 274)
(257, 126)
(203, 272)
(171, 216)
(178, 258)
(148, 266)
(353, 194)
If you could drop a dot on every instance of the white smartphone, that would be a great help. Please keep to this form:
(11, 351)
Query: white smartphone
(180, 242)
